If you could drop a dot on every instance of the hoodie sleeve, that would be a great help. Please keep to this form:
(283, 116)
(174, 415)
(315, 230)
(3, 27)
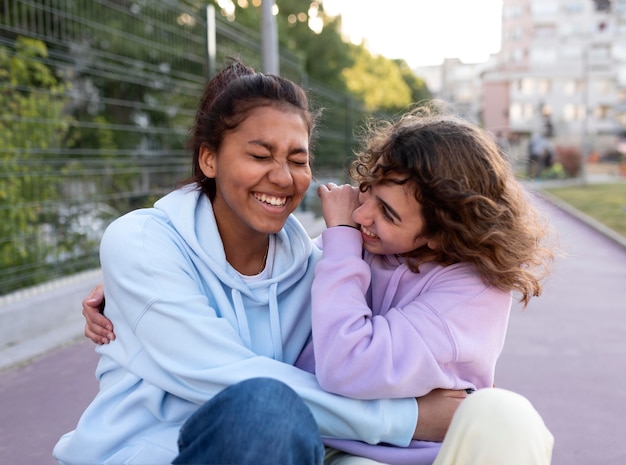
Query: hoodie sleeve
(448, 336)
(171, 337)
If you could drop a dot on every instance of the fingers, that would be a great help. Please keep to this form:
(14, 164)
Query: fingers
(98, 328)
(95, 298)
(435, 413)
(325, 188)
(453, 393)
(94, 336)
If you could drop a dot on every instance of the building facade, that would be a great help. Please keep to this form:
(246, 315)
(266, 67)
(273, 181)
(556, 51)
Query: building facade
(561, 71)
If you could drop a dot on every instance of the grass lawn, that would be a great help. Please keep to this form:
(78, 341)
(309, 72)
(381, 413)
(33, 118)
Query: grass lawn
(605, 203)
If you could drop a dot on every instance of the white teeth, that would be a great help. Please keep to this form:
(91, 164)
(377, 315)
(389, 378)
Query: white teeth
(367, 233)
(269, 199)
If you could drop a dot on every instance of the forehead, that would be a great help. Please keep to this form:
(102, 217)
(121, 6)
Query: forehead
(272, 110)
(266, 118)
(400, 195)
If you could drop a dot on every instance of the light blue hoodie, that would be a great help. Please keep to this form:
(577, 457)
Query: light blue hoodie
(188, 326)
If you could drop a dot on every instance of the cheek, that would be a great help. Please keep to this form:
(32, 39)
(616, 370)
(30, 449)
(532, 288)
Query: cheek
(301, 181)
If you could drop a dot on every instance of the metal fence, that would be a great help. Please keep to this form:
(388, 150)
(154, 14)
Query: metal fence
(96, 98)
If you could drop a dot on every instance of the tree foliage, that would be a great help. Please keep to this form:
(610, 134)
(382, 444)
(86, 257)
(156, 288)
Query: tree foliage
(32, 125)
(382, 84)
(377, 82)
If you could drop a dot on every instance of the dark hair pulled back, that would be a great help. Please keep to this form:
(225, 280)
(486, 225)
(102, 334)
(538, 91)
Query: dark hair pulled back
(228, 99)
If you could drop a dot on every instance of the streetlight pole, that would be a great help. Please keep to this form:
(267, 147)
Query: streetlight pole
(269, 38)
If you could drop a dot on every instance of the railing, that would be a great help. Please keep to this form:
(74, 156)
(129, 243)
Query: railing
(96, 98)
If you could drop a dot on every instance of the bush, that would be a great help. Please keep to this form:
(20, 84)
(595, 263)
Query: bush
(570, 158)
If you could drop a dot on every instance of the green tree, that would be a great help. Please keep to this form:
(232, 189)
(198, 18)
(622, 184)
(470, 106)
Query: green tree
(377, 82)
(32, 125)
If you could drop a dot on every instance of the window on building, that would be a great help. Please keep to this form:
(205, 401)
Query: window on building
(522, 112)
(621, 75)
(528, 111)
(619, 6)
(605, 86)
(514, 34)
(574, 112)
(527, 86)
(571, 52)
(574, 86)
(573, 7)
(515, 112)
(540, 55)
(512, 11)
(602, 5)
(602, 112)
(544, 86)
(546, 31)
(599, 52)
(544, 7)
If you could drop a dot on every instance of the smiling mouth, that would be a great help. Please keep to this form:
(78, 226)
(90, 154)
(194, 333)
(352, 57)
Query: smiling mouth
(368, 233)
(271, 200)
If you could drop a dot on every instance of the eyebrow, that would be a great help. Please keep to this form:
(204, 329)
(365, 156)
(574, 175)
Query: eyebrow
(270, 147)
(392, 212)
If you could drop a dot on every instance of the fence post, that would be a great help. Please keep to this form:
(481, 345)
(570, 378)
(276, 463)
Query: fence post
(211, 41)
(269, 38)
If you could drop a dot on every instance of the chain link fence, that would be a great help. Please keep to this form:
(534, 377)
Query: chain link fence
(97, 98)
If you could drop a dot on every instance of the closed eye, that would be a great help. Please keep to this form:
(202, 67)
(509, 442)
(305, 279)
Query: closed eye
(386, 215)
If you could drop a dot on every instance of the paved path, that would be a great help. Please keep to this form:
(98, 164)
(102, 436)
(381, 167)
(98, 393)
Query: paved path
(566, 352)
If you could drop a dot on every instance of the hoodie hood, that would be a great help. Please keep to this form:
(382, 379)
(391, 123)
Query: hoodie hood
(194, 221)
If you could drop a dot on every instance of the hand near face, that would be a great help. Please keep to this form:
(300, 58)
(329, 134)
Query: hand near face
(338, 203)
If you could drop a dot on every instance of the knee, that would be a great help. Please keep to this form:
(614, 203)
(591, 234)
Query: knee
(500, 416)
(264, 393)
(261, 400)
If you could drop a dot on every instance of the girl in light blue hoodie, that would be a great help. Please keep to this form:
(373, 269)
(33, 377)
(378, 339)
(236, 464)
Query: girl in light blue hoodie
(209, 292)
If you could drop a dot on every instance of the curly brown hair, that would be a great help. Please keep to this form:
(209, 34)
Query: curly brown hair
(472, 204)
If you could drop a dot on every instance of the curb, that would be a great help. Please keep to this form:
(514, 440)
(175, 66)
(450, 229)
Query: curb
(40, 318)
(591, 222)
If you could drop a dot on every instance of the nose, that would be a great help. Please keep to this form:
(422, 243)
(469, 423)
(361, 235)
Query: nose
(361, 214)
(280, 174)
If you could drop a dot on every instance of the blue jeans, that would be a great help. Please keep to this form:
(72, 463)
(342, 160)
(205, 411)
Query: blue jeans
(258, 421)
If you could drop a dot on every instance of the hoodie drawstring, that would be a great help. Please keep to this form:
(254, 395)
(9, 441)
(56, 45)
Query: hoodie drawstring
(277, 337)
(244, 328)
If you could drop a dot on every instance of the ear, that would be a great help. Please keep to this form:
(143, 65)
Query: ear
(432, 244)
(206, 161)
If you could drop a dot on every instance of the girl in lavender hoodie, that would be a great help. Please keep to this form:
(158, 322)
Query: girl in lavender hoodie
(415, 285)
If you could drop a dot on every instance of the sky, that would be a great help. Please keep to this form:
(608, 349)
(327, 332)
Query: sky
(423, 32)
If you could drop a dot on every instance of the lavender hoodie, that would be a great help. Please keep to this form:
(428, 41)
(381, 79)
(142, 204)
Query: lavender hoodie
(383, 331)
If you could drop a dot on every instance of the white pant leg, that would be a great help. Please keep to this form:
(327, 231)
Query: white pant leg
(494, 427)
(337, 457)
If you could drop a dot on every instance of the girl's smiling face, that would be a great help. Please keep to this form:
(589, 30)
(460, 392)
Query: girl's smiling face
(262, 171)
(391, 219)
